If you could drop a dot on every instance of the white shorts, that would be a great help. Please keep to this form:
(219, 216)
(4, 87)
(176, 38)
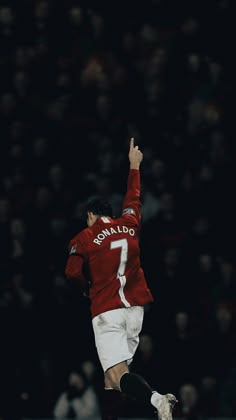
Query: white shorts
(116, 335)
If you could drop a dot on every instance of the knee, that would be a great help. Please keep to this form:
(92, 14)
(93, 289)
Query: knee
(113, 375)
(112, 380)
(109, 384)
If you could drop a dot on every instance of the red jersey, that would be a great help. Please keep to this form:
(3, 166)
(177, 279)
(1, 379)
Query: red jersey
(110, 248)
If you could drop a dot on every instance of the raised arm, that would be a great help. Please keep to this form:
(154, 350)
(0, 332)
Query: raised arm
(132, 203)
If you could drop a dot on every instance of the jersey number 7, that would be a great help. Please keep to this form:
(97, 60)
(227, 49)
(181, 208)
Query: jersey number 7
(123, 245)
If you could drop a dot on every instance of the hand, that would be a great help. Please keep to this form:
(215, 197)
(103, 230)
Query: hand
(135, 155)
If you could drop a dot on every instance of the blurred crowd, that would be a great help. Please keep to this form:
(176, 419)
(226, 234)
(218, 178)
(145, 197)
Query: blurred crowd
(77, 80)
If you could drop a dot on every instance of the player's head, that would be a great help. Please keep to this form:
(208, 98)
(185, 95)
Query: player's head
(96, 208)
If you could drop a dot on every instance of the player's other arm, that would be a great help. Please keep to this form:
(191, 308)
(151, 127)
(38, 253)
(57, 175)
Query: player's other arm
(74, 266)
(132, 201)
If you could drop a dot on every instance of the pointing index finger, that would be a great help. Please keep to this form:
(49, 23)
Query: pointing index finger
(131, 143)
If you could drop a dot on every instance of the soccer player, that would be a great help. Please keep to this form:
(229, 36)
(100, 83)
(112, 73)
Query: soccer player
(109, 248)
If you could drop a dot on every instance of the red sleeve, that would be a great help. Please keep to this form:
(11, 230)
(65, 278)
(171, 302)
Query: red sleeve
(74, 265)
(132, 203)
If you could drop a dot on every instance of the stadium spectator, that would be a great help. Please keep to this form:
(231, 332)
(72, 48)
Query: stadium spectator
(189, 402)
(78, 400)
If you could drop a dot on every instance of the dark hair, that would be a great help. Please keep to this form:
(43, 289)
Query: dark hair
(99, 207)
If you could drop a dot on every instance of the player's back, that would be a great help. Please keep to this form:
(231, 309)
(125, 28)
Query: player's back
(113, 257)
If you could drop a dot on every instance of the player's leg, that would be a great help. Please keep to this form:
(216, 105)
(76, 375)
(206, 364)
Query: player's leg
(111, 339)
(135, 386)
(111, 344)
(118, 377)
(132, 385)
